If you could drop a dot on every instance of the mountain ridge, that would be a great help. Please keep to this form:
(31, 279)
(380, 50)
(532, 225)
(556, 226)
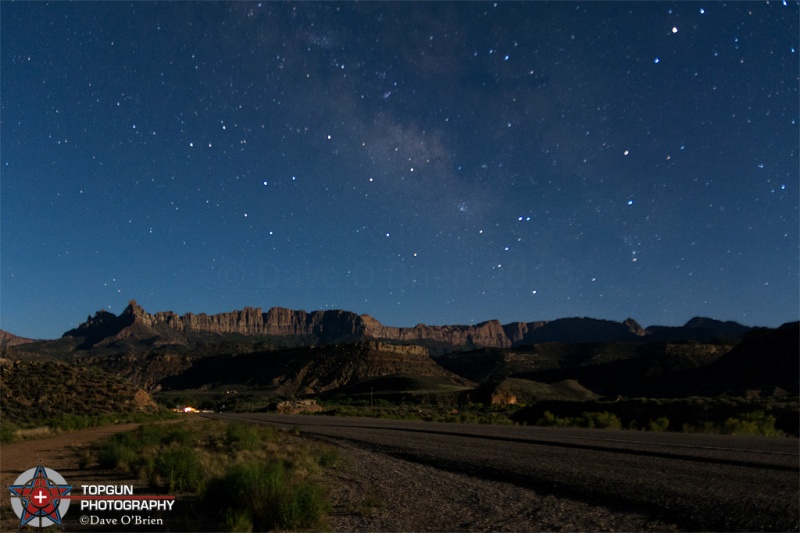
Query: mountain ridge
(167, 327)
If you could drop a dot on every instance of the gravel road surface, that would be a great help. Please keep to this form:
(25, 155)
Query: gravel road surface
(475, 476)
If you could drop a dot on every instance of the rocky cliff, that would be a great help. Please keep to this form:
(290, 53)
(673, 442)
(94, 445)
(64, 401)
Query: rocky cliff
(167, 327)
(326, 326)
(9, 339)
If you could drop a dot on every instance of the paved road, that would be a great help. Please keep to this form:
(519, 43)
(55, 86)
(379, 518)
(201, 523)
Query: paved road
(700, 482)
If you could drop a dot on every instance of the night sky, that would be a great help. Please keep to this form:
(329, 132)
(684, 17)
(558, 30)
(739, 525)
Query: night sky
(445, 163)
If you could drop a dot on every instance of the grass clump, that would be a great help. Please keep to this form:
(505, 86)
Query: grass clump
(659, 424)
(180, 467)
(264, 496)
(246, 437)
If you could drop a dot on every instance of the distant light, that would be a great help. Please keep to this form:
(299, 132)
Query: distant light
(630, 202)
(625, 152)
(656, 60)
(674, 29)
(265, 183)
(702, 11)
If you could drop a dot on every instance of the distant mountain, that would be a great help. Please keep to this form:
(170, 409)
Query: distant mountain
(698, 328)
(288, 352)
(575, 330)
(135, 327)
(765, 359)
(8, 339)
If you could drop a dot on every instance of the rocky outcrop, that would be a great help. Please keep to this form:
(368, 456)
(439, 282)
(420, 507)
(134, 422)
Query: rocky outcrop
(8, 339)
(296, 407)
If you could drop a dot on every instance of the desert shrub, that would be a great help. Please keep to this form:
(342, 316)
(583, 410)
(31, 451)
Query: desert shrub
(659, 424)
(151, 435)
(7, 433)
(550, 420)
(756, 423)
(72, 422)
(601, 420)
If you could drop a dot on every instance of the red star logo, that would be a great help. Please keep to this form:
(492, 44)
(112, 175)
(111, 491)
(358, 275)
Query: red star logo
(40, 497)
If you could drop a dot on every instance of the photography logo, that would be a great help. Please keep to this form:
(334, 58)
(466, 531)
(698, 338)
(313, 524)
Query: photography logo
(40, 497)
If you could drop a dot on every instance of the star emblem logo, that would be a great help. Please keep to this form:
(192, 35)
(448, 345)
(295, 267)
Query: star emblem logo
(40, 493)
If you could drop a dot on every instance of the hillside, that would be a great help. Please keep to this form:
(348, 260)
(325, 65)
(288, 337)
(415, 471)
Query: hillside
(32, 392)
(306, 371)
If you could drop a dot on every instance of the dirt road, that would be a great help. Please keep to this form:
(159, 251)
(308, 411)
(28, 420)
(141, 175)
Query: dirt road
(456, 477)
(61, 453)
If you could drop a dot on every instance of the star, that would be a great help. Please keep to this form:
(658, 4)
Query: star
(40, 497)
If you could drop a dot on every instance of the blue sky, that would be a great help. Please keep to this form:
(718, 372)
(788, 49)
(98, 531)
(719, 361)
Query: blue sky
(440, 163)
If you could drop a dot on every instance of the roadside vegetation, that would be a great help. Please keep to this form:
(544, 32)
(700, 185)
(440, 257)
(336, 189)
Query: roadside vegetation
(727, 415)
(229, 476)
(42, 428)
(721, 415)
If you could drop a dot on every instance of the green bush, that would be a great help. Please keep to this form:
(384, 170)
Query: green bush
(756, 423)
(659, 424)
(601, 420)
(550, 420)
(7, 433)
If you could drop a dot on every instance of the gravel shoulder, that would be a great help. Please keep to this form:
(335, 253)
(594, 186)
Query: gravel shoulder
(375, 492)
(587, 480)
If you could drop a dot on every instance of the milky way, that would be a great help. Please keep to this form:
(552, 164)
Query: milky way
(440, 163)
